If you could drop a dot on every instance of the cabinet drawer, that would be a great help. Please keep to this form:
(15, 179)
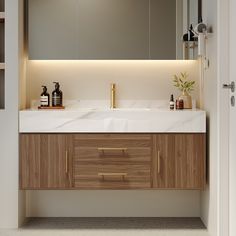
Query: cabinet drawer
(112, 140)
(111, 176)
(112, 155)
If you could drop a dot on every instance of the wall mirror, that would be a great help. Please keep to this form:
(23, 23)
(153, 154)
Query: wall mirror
(111, 29)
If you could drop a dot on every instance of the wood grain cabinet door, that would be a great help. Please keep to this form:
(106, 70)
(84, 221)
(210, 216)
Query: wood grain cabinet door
(45, 161)
(179, 161)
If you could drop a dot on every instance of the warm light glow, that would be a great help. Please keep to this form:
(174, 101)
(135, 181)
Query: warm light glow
(124, 63)
(114, 61)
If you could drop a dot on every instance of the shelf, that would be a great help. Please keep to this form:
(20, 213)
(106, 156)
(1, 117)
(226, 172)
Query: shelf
(2, 66)
(2, 16)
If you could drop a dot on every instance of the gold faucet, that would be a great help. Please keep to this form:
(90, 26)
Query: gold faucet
(113, 96)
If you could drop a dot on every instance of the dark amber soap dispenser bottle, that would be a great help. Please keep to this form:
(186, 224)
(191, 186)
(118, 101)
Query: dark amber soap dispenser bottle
(57, 96)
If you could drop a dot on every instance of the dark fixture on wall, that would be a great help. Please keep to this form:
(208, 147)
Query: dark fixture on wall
(199, 11)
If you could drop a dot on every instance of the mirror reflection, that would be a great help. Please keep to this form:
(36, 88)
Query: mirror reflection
(112, 29)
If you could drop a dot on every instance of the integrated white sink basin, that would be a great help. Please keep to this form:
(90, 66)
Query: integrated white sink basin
(121, 120)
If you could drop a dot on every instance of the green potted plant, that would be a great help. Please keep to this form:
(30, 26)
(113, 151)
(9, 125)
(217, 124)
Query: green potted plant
(186, 86)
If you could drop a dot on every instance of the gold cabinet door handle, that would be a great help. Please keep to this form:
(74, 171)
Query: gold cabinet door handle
(103, 175)
(103, 149)
(158, 162)
(67, 163)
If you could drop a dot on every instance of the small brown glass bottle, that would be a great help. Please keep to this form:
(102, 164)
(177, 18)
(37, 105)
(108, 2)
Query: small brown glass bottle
(172, 103)
(181, 104)
(177, 104)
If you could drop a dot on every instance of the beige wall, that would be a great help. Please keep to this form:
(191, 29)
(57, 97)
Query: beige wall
(141, 80)
(209, 198)
(113, 203)
(22, 97)
(9, 123)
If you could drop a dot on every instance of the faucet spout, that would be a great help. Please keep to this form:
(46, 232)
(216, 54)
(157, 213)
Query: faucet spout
(113, 96)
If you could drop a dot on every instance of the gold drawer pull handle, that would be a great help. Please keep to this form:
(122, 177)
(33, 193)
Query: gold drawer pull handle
(67, 161)
(103, 150)
(158, 162)
(103, 175)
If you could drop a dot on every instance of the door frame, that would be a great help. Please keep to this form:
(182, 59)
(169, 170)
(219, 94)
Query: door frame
(223, 36)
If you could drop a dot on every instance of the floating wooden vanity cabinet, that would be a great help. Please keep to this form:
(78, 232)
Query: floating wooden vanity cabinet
(112, 161)
(179, 161)
(45, 161)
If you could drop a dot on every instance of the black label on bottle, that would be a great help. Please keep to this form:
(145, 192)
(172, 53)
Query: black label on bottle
(56, 101)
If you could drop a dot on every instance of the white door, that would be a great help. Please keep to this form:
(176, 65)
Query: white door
(232, 122)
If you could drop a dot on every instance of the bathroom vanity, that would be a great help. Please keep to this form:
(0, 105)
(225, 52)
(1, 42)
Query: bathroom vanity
(112, 149)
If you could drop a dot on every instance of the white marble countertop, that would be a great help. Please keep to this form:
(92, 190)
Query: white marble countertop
(123, 120)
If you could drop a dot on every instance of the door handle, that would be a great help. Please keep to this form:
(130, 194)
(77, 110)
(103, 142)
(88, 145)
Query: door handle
(229, 86)
(103, 150)
(103, 175)
(67, 163)
(158, 162)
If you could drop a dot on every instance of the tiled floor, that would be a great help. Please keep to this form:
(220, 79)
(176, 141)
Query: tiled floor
(114, 223)
(110, 227)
